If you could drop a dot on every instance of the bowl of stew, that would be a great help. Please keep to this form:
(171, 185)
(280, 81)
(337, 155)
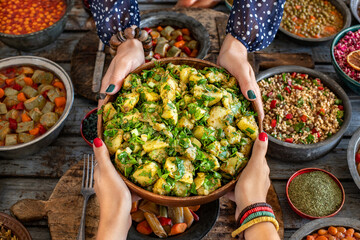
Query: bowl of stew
(329, 229)
(32, 24)
(175, 35)
(353, 157)
(314, 21)
(179, 142)
(36, 98)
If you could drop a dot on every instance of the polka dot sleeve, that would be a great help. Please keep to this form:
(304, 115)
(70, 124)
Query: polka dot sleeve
(112, 16)
(255, 22)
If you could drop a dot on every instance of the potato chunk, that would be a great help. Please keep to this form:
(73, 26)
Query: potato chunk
(180, 169)
(129, 101)
(124, 162)
(162, 187)
(206, 184)
(233, 136)
(109, 112)
(218, 117)
(208, 93)
(113, 139)
(158, 155)
(168, 90)
(153, 145)
(146, 174)
(170, 112)
(181, 189)
(248, 125)
(233, 165)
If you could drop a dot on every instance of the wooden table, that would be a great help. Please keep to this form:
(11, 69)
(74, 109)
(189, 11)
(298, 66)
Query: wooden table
(35, 176)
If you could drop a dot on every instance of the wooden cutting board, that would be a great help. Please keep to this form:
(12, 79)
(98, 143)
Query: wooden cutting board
(63, 210)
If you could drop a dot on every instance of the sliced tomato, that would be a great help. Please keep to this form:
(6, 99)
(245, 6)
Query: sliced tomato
(289, 116)
(273, 104)
(303, 118)
(289, 140)
(273, 123)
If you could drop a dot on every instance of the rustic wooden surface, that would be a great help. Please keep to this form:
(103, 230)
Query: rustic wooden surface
(36, 176)
(63, 210)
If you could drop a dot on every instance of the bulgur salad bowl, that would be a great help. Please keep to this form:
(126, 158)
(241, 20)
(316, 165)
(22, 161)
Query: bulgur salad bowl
(306, 112)
(186, 131)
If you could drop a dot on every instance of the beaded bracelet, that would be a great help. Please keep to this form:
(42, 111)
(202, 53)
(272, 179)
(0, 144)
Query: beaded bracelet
(254, 210)
(132, 32)
(261, 204)
(256, 215)
(253, 222)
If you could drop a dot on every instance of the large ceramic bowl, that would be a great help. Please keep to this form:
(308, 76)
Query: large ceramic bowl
(170, 200)
(35, 40)
(324, 223)
(353, 147)
(208, 214)
(354, 5)
(180, 20)
(305, 152)
(15, 226)
(23, 149)
(345, 12)
(351, 83)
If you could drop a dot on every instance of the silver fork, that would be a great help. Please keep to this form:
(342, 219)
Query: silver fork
(87, 189)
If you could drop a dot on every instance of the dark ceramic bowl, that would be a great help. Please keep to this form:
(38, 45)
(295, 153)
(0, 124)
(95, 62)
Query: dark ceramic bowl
(353, 147)
(306, 170)
(39, 39)
(354, 5)
(345, 12)
(208, 215)
(315, 225)
(306, 152)
(15, 226)
(351, 83)
(82, 124)
(197, 30)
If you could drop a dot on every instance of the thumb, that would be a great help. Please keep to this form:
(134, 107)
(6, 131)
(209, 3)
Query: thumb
(102, 154)
(259, 149)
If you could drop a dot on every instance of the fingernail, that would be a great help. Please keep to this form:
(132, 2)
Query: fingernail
(110, 88)
(263, 136)
(97, 142)
(251, 94)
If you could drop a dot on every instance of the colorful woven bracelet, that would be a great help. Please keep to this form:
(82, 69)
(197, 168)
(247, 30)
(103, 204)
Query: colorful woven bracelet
(256, 215)
(261, 204)
(132, 32)
(253, 222)
(254, 210)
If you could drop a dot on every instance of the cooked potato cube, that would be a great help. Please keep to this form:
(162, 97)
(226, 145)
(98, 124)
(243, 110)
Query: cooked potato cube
(248, 125)
(35, 114)
(42, 77)
(215, 77)
(170, 112)
(196, 77)
(10, 139)
(53, 93)
(153, 145)
(209, 94)
(3, 109)
(186, 123)
(109, 112)
(151, 96)
(208, 163)
(11, 101)
(185, 73)
(233, 136)
(131, 81)
(129, 101)
(195, 142)
(201, 132)
(181, 189)
(124, 162)
(11, 92)
(4, 129)
(146, 174)
(49, 107)
(25, 137)
(45, 87)
(29, 92)
(113, 140)
(35, 102)
(214, 148)
(20, 80)
(218, 117)
(158, 155)
(168, 90)
(180, 169)
(14, 114)
(206, 184)
(162, 187)
(49, 119)
(24, 126)
(196, 111)
(246, 148)
(233, 165)
(229, 83)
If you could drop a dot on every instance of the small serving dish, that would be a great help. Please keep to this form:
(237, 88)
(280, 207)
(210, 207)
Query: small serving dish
(307, 170)
(354, 6)
(39, 39)
(317, 224)
(37, 144)
(179, 20)
(208, 215)
(306, 152)
(14, 226)
(353, 148)
(344, 11)
(83, 125)
(351, 83)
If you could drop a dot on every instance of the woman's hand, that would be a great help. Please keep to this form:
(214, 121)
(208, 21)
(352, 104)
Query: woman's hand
(197, 3)
(129, 56)
(233, 57)
(113, 195)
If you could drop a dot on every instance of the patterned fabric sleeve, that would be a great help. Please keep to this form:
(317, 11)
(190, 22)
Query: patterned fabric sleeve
(112, 16)
(255, 22)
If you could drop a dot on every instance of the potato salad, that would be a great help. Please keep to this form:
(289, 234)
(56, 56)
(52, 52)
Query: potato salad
(179, 131)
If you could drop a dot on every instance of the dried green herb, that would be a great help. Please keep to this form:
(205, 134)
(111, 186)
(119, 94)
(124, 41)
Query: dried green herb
(90, 127)
(315, 193)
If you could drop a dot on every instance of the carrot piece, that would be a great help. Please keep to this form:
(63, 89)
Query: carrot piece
(60, 101)
(178, 228)
(194, 208)
(180, 44)
(144, 228)
(185, 31)
(2, 92)
(59, 84)
(25, 117)
(297, 7)
(194, 53)
(159, 28)
(9, 81)
(34, 131)
(21, 97)
(28, 81)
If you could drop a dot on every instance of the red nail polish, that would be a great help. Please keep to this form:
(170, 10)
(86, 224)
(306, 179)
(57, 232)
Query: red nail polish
(263, 136)
(97, 142)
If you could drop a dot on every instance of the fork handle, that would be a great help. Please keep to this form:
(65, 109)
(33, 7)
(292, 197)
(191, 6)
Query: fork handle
(81, 234)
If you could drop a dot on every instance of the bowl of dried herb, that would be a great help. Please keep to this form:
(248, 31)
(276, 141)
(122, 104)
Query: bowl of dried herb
(315, 193)
(88, 127)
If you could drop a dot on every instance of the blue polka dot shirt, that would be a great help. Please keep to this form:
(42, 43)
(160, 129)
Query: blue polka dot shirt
(253, 22)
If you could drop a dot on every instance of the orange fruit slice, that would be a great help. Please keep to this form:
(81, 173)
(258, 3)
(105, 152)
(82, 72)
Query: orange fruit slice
(353, 59)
